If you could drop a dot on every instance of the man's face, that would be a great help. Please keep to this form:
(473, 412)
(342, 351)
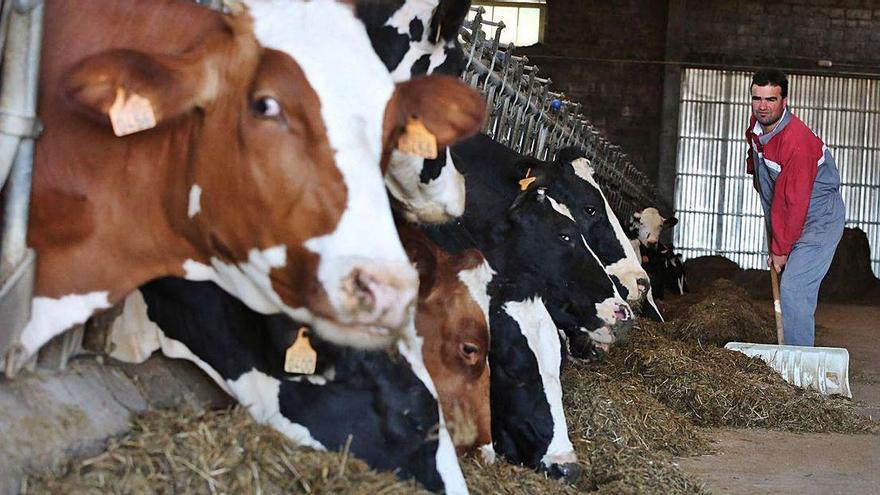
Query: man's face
(767, 104)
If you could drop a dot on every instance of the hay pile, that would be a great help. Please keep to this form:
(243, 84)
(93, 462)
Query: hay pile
(716, 387)
(850, 277)
(703, 270)
(223, 451)
(723, 313)
(627, 417)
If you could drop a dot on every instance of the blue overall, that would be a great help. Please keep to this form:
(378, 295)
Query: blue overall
(811, 255)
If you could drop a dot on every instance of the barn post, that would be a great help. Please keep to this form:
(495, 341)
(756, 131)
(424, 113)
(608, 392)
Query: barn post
(19, 127)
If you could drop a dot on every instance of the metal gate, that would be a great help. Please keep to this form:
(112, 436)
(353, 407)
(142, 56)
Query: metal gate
(720, 212)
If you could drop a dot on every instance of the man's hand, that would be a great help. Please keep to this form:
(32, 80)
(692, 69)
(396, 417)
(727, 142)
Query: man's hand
(777, 262)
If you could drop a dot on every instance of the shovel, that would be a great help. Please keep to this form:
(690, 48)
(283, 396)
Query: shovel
(825, 369)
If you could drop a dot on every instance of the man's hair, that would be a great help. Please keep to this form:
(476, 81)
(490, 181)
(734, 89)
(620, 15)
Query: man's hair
(773, 77)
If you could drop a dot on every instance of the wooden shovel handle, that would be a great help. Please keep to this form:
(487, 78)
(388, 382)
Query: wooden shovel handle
(777, 309)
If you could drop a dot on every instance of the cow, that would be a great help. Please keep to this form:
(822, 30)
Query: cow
(250, 162)
(243, 351)
(414, 38)
(665, 268)
(647, 224)
(537, 254)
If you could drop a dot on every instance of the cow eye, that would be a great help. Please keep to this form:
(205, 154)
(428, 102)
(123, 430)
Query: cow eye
(470, 352)
(267, 107)
(589, 210)
(565, 237)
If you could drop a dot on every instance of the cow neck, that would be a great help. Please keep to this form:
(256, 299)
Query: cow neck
(99, 239)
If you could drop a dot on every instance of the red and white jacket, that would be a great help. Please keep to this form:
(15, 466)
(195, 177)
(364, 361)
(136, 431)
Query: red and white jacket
(792, 154)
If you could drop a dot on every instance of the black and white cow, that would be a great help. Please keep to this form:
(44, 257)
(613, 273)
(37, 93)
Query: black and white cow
(665, 268)
(414, 38)
(244, 352)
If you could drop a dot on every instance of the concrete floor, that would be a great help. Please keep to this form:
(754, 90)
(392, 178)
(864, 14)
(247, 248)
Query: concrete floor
(763, 462)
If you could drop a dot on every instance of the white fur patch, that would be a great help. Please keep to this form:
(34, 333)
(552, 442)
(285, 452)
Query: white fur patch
(477, 280)
(51, 317)
(487, 453)
(195, 204)
(561, 208)
(134, 337)
(259, 393)
(438, 201)
(540, 332)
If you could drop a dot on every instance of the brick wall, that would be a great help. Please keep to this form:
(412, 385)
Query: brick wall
(622, 99)
(586, 41)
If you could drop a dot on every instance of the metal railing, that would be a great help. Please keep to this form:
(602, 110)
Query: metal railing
(530, 118)
(21, 29)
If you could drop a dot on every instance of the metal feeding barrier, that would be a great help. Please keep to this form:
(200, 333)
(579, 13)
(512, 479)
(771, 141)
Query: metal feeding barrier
(528, 117)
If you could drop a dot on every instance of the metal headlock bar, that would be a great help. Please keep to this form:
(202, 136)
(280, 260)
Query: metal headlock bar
(530, 118)
(21, 26)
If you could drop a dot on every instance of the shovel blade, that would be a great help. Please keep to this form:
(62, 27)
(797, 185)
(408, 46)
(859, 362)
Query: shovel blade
(824, 369)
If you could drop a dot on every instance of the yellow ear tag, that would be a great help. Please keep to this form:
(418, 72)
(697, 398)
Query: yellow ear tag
(417, 140)
(300, 357)
(526, 181)
(131, 115)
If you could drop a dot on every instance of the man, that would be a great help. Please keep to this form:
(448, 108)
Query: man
(799, 185)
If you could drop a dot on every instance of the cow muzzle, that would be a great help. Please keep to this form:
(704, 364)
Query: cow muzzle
(379, 296)
(618, 319)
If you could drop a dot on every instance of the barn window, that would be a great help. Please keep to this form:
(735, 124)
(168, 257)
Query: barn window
(719, 210)
(523, 20)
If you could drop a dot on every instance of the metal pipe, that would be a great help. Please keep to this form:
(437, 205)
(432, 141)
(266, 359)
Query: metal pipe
(18, 98)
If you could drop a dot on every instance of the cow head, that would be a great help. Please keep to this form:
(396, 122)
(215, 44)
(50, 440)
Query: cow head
(528, 418)
(542, 242)
(648, 223)
(276, 184)
(452, 318)
(575, 185)
(414, 38)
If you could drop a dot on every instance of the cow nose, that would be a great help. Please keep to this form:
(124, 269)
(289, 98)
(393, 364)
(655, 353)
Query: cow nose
(569, 472)
(380, 296)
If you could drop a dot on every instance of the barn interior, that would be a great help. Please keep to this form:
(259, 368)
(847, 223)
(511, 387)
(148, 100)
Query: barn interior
(656, 95)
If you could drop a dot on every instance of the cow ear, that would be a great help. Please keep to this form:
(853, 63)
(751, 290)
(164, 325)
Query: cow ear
(531, 173)
(443, 106)
(165, 86)
(670, 222)
(448, 18)
(426, 265)
(103, 83)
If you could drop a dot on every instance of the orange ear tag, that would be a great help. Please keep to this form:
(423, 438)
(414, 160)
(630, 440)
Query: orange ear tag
(526, 181)
(128, 116)
(417, 140)
(301, 357)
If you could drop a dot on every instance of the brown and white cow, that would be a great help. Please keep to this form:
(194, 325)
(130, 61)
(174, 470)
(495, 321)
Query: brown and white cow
(452, 318)
(257, 166)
